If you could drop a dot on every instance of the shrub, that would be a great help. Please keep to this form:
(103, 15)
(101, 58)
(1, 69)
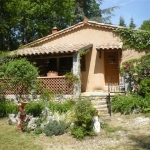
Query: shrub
(55, 128)
(7, 107)
(61, 107)
(144, 88)
(83, 124)
(23, 75)
(145, 104)
(34, 108)
(126, 104)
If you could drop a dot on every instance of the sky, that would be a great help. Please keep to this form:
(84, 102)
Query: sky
(139, 10)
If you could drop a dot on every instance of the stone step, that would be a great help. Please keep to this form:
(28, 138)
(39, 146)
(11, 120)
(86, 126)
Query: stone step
(99, 102)
(100, 106)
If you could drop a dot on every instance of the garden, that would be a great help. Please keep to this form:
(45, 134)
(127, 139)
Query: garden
(48, 116)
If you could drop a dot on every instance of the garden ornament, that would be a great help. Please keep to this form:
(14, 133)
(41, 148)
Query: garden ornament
(21, 117)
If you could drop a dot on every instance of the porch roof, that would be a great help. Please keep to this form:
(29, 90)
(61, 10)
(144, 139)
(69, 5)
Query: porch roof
(107, 46)
(55, 49)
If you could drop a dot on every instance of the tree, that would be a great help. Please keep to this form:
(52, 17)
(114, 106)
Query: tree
(132, 25)
(8, 23)
(145, 25)
(23, 75)
(122, 22)
(91, 9)
(23, 21)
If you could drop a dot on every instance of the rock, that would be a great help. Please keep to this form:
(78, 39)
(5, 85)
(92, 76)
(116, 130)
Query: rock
(12, 119)
(32, 123)
(96, 126)
(141, 121)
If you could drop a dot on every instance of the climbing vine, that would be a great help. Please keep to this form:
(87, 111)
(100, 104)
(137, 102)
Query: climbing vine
(83, 52)
(136, 39)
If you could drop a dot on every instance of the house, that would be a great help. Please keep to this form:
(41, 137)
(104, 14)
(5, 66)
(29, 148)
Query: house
(60, 51)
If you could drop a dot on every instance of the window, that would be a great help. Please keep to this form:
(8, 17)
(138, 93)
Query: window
(65, 63)
(52, 65)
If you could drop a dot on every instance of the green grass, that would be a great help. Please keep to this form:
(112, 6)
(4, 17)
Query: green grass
(11, 139)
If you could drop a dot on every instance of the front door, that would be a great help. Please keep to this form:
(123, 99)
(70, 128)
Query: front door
(111, 64)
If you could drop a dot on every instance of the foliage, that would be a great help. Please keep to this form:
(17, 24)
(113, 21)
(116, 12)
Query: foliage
(7, 107)
(27, 20)
(144, 88)
(70, 77)
(55, 128)
(126, 104)
(20, 73)
(145, 25)
(83, 52)
(46, 94)
(136, 39)
(61, 107)
(139, 67)
(83, 123)
(34, 108)
(132, 25)
(122, 22)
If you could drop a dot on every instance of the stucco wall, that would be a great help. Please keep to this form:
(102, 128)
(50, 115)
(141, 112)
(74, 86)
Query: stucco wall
(131, 54)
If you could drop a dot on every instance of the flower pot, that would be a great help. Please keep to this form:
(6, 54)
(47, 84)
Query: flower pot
(52, 74)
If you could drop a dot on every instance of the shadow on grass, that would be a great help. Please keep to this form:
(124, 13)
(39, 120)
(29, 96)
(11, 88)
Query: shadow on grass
(142, 141)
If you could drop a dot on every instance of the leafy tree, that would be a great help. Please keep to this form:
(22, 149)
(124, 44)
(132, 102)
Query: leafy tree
(132, 25)
(8, 23)
(91, 10)
(23, 21)
(145, 25)
(122, 22)
(22, 73)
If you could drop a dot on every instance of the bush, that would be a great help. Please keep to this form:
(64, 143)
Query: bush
(145, 104)
(83, 124)
(61, 107)
(23, 74)
(144, 88)
(55, 128)
(7, 107)
(126, 104)
(34, 108)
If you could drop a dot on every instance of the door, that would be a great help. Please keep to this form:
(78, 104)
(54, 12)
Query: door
(111, 64)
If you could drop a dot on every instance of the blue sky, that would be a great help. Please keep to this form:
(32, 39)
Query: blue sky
(139, 10)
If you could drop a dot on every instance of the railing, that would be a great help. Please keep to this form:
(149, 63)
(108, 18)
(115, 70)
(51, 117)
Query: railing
(115, 85)
(58, 85)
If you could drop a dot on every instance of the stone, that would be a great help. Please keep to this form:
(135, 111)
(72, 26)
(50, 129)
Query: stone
(96, 125)
(12, 119)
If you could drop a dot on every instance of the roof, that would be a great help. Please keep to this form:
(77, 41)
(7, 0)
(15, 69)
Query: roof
(55, 49)
(105, 46)
(71, 28)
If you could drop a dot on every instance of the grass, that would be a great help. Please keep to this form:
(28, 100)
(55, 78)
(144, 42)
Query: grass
(11, 139)
(108, 128)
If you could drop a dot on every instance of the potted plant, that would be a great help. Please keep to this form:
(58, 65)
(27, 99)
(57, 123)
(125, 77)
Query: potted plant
(52, 74)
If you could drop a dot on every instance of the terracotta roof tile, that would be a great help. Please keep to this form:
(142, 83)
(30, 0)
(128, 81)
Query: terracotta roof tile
(55, 49)
(105, 46)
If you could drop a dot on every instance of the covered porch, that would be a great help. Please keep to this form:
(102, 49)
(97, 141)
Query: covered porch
(59, 59)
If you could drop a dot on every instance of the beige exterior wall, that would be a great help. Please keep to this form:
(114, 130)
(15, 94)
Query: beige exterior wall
(93, 77)
(131, 54)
